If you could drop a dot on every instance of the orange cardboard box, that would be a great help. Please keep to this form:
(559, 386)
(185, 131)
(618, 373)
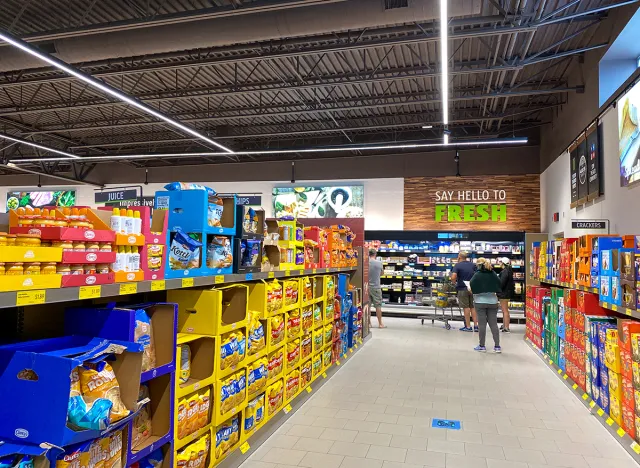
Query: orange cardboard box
(635, 347)
(626, 364)
(628, 393)
(629, 421)
(626, 328)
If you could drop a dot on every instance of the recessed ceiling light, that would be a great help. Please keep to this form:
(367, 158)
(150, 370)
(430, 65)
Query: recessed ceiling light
(427, 127)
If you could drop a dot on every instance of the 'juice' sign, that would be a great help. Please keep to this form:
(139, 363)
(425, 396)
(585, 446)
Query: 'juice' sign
(471, 206)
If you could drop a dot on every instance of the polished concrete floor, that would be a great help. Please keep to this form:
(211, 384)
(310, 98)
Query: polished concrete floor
(376, 411)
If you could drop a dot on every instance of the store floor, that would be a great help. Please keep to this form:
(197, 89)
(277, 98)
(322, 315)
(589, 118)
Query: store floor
(376, 411)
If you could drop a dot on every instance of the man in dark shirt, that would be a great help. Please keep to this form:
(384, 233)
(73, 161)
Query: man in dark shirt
(464, 271)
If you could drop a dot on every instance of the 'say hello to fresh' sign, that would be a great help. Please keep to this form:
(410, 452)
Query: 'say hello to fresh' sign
(471, 205)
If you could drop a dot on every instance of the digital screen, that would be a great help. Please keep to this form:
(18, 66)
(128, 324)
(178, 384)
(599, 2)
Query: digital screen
(319, 202)
(40, 198)
(628, 133)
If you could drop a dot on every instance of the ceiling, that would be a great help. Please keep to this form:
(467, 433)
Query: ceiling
(244, 87)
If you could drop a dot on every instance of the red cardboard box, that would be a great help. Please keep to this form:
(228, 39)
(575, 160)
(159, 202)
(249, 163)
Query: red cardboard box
(625, 329)
(626, 364)
(628, 397)
(629, 421)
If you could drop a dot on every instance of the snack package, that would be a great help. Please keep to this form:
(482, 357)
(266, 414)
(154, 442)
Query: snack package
(240, 384)
(247, 220)
(75, 456)
(193, 402)
(256, 334)
(114, 458)
(317, 315)
(328, 311)
(305, 345)
(184, 250)
(153, 460)
(291, 292)
(317, 340)
(98, 381)
(250, 252)
(328, 334)
(235, 430)
(292, 384)
(305, 374)
(143, 334)
(307, 289)
(242, 346)
(175, 186)
(293, 323)
(257, 372)
(326, 358)
(227, 395)
(277, 330)
(155, 250)
(275, 364)
(307, 318)
(182, 419)
(185, 363)
(214, 211)
(254, 414)
(274, 395)
(204, 402)
(274, 296)
(293, 353)
(229, 353)
(316, 364)
(88, 413)
(141, 427)
(219, 254)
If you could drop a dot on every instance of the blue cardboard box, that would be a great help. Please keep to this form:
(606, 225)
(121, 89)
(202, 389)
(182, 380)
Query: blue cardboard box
(42, 457)
(35, 384)
(120, 324)
(189, 209)
(605, 288)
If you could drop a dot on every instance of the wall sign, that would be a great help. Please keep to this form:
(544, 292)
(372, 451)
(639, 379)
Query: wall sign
(343, 201)
(249, 200)
(471, 205)
(573, 160)
(594, 162)
(115, 196)
(590, 224)
(138, 201)
(583, 179)
(586, 166)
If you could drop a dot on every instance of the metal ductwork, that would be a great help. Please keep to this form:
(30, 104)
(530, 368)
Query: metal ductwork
(250, 28)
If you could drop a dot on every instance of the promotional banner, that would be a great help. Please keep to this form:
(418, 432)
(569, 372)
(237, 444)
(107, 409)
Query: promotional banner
(628, 132)
(319, 202)
(583, 179)
(40, 198)
(594, 166)
(573, 161)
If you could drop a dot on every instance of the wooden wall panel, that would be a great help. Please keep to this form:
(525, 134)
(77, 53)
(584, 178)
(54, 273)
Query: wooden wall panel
(522, 200)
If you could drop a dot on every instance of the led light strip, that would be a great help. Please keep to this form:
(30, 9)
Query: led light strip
(444, 59)
(35, 145)
(496, 142)
(22, 45)
(15, 167)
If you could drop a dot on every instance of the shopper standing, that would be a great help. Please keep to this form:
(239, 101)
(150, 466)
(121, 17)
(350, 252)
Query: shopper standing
(485, 285)
(464, 271)
(375, 289)
(508, 290)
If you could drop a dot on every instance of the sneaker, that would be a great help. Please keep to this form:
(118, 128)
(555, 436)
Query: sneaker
(505, 330)
(480, 349)
(475, 329)
(466, 329)
(497, 349)
(501, 327)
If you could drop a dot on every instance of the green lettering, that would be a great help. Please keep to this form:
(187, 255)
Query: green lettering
(440, 212)
(499, 213)
(469, 213)
(454, 212)
(483, 213)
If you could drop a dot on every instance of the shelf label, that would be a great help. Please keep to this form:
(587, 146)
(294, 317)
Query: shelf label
(559, 371)
(271, 275)
(308, 389)
(128, 288)
(248, 276)
(592, 404)
(187, 282)
(635, 447)
(609, 421)
(356, 346)
(337, 363)
(287, 409)
(314, 271)
(585, 396)
(344, 356)
(25, 298)
(565, 376)
(287, 272)
(614, 308)
(600, 412)
(218, 279)
(621, 432)
(89, 292)
(158, 285)
(574, 386)
(244, 448)
(324, 375)
(351, 350)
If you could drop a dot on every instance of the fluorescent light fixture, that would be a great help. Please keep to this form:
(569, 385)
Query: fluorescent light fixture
(35, 145)
(444, 58)
(495, 142)
(13, 166)
(446, 138)
(427, 127)
(110, 90)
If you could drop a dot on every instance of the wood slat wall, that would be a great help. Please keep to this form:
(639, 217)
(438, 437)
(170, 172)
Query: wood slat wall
(523, 202)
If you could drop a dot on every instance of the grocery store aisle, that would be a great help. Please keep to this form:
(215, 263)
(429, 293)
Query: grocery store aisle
(376, 411)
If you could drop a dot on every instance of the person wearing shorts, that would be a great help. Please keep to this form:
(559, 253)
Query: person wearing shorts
(375, 288)
(464, 271)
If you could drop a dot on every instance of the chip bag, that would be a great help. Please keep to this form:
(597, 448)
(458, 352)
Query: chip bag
(183, 250)
(143, 334)
(317, 340)
(274, 397)
(193, 402)
(114, 458)
(214, 211)
(185, 363)
(316, 364)
(229, 354)
(317, 315)
(219, 254)
(326, 358)
(141, 427)
(307, 318)
(182, 419)
(99, 381)
(227, 395)
(293, 323)
(256, 335)
(328, 334)
(203, 408)
(305, 374)
(240, 388)
(257, 373)
(275, 364)
(305, 345)
(293, 353)
(307, 289)
(277, 330)
(292, 384)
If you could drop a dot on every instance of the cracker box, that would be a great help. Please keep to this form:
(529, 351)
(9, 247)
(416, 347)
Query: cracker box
(636, 375)
(625, 329)
(628, 393)
(626, 364)
(615, 385)
(628, 421)
(612, 357)
(615, 409)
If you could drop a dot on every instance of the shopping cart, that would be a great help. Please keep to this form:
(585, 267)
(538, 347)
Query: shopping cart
(444, 301)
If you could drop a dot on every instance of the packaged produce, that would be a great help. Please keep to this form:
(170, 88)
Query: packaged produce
(305, 345)
(183, 252)
(204, 402)
(275, 394)
(143, 334)
(277, 330)
(219, 254)
(292, 384)
(275, 364)
(98, 381)
(307, 318)
(185, 363)
(256, 340)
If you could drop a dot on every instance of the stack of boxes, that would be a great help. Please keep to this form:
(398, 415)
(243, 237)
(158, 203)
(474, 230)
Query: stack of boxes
(607, 266)
(628, 332)
(567, 260)
(627, 264)
(612, 362)
(551, 340)
(599, 373)
(575, 351)
(535, 320)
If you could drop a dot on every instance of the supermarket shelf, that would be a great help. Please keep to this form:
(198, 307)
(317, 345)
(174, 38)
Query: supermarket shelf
(437, 264)
(621, 310)
(568, 285)
(237, 457)
(15, 298)
(473, 252)
(618, 433)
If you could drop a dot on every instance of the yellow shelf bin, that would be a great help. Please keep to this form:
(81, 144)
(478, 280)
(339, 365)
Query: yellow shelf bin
(225, 404)
(266, 297)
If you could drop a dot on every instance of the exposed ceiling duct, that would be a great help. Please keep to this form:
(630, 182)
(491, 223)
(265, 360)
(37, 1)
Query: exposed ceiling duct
(266, 26)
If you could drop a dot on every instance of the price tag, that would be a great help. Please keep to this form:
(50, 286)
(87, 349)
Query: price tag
(337, 363)
(248, 276)
(244, 448)
(609, 421)
(308, 389)
(565, 376)
(218, 279)
(271, 274)
(187, 282)
(635, 447)
(128, 288)
(25, 298)
(559, 371)
(158, 285)
(89, 292)
(315, 270)
(614, 308)
(287, 409)
(287, 272)
(600, 412)
(585, 396)
(344, 356)
(574, 386)
(351, 350)
(620, 432)
(324, 375)
(356, 346)
(592, 404)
